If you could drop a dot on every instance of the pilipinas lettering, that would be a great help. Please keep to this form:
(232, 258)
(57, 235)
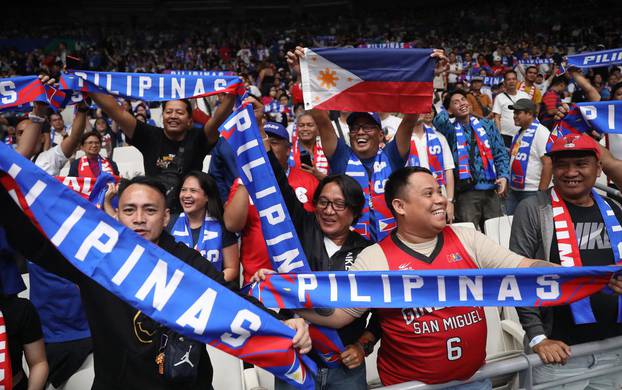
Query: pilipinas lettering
(157, 284)
(276, 225)
(164, 87)
(399, 289)
(598, 58)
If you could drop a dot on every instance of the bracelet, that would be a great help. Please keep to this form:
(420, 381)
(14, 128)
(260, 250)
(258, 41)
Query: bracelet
(34, 118)
(83, 109)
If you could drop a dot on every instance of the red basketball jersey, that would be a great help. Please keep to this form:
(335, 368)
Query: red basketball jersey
(432, 345)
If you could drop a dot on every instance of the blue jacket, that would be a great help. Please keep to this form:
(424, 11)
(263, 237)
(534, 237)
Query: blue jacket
(476, 166)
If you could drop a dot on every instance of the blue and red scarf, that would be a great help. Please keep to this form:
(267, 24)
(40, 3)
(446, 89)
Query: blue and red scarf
(376, 221)
(570, 255)
(520, 155)
(210, 238)
(150, 279)
(286, 253)
(435, 154)
(483, 146)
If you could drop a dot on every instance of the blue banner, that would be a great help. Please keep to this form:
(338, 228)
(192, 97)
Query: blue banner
(549, 286)
(16, 91)
(536, 61)
(150, 279)
(286, 253)
(490, 81)
(604, 116)
(150, 86)
(596, 58)
(201, 72)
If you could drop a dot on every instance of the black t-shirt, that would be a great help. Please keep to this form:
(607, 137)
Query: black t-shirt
(595, 249)
(22, 326)
(123, 346)
(166, 159)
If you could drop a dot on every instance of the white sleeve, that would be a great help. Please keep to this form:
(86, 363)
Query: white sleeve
(542, 137)
(52, 160)
(448, 158)
(496, 107)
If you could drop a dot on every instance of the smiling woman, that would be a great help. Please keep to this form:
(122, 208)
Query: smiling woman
(200, 225)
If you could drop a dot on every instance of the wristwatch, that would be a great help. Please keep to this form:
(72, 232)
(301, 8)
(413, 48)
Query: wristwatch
(34, 118)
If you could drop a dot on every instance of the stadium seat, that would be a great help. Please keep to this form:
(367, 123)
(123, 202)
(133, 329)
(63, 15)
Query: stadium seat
(129, 160)
(499, 229)
(227, 370)
(504, 340)
(371, 368)
(470, 225)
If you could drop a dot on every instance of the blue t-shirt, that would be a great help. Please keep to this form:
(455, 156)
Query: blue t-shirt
(339, 160)
(223, 167)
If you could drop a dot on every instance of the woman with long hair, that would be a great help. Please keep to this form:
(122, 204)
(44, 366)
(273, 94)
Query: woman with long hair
(200, 225)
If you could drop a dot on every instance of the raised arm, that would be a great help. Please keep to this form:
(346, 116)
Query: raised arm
(404, 134)
(236, 210)
(109, 105)
(222, 113)
(31, 131)
(69, 144)
(591, 93)
(325, 127)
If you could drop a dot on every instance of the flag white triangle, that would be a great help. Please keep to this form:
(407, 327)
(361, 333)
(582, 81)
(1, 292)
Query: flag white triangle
(323, 79)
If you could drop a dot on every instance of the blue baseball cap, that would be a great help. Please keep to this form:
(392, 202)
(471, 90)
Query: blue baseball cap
(276, 130)
(369, 115)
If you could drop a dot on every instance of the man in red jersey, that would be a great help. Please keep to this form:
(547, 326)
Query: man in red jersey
(432, 345)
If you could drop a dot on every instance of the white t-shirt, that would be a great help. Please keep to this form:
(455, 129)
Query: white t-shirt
(500, 106)
(421, 143)
(390, 125)
(534, 166)
(52, 160)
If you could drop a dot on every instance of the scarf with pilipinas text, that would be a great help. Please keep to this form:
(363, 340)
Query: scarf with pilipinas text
(151, 86)
(286, 253)
(603, 117)
(550, 286)
(357, 79)
(596, 58)
(16, 93)
(148, 278)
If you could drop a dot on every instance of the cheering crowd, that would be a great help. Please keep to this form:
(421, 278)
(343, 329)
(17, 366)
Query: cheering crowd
(364, 191)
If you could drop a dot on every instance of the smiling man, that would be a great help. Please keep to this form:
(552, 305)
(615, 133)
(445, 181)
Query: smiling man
(125, 341)
(92, 164)
(573, 226)
(423, 240)
(480, 158)
(178, 148)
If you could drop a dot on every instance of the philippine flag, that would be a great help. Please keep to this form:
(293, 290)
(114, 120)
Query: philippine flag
(355, 79)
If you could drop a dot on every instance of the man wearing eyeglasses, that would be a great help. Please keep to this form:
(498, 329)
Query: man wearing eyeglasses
(367, 162)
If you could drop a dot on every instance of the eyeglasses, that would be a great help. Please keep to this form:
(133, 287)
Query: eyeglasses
(366, 128)
(338, 205)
